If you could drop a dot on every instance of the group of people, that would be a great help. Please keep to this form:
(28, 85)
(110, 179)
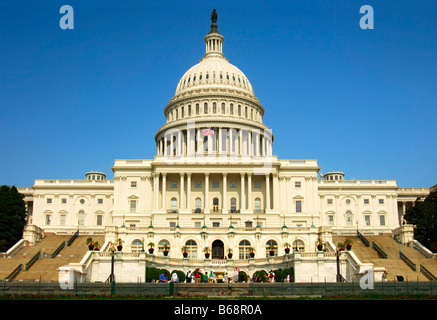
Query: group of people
(210, 277)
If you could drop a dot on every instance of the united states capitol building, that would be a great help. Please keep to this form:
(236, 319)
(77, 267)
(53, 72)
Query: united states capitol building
(215, 186)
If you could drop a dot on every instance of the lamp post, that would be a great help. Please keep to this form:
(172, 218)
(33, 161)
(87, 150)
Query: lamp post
(112, 276)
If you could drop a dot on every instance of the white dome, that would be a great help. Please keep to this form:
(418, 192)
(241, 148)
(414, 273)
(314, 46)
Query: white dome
(214, 71)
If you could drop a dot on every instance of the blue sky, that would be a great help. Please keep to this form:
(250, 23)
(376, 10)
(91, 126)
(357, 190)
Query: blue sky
(359, 101)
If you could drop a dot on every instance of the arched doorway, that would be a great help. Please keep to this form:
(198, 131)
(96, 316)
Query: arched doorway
(218, 249)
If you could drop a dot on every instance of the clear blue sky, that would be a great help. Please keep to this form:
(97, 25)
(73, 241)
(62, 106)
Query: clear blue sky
(359, 101)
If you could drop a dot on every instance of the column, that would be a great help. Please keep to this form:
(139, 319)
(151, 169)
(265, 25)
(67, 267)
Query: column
(249, 191)
(206, 204)
(189, 191)
(275, 191)
(225, 200)
(268, 206)
(240, 139)
(164, 186)
(165, 145)
(181, 192)
(243, 194)
(155, 190)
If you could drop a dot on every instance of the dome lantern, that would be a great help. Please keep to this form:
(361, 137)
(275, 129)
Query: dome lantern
(214, 40)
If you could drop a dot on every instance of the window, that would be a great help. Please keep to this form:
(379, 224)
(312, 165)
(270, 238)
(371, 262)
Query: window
(257, 205)
(381, 201)
(81, 218)
(191, 247)
(271, 245)
(133, 205)
(197, 224)
(49, 200)
(174, 204)
(100, 201)
(64, 200)
(163, 245)
(215, 184)
(198, 184)
(298, 245)
(99, 219)
(244, 250)
(48, 219)
(233, 184)
(348, 218)
(257, 185)
(367, 220)
(214, 107)
(329, 201)
(330, 220)
(297, 184)
(223, 108)
(197, 109)
(382, 220)
(215, 205)
(174, 184)
(198, 203)
(172, 224)
(133, 184)
(62, 220)
(137, 246)
(205, 108)
(216, 224)
(82, 201)
(298, 206)
(233, 205)
(366, 201)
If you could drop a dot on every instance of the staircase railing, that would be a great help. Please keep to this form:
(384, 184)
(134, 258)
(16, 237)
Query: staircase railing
(32, 261)
(14, 273)
(427, 273)
(362, 238)
(410, 263)
(73, 237)
(58, 249)
(381, 252)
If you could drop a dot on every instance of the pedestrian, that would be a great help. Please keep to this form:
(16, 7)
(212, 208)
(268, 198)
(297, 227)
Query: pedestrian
(205, 277)
(188, 277)
(174, 277)
(236, 271)
(163, 277)
(225, 277)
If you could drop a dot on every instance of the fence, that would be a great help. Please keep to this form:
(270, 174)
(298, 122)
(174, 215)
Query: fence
(223, 289)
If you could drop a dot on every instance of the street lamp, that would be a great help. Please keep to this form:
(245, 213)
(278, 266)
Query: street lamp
(112, 276)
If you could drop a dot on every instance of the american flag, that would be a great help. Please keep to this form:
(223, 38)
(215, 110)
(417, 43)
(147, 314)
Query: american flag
(208, 132)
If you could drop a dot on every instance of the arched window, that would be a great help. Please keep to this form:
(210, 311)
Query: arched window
(271, 245)
(174, 204)
(215, 205)
(198, 204)
(233, 205)
(257, 205)
(214, 107)
(137, 246)
(244, 249)
(191, 249)
(205, 107)
(223, 108)
(81, 218)
(348, 218)
(163, 245)
(298, 245)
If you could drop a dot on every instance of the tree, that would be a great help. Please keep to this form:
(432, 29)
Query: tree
(423, 215)
(12, 215)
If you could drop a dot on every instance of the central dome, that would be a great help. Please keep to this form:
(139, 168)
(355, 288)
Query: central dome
(214, 71)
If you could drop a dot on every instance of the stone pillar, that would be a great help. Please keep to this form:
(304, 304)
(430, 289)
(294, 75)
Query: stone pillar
(164, 186)
(243, 193)
(189, 191)
(268, 206)
(181, 192)
(225, 200)
(155, 190)
(275, 191)
(206, 205)
(249, 191)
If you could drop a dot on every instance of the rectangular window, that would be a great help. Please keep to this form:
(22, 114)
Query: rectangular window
(197, 224)
(331, 220)
(133, 205)
(48, 219)
(329, 201)
(297, 184)
(133, 184)
(382, 220)
(99, 220)
(216, 224)
(367, 220)
(233, 184)
(174, 184)
(366, 201)
(381, 201)
(298, 206)
(49, 200)
(215, 184)
(100, 201)
(172, 224)
(62, 220)
(64, 201)
(198, 184)
(257, 185)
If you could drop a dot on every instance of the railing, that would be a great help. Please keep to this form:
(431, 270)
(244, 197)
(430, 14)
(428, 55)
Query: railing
(75, 235)
(14, 273)
(427, 273)
(58, 249)
(379, 250)
(362, 238)
(32, 261)
(410, 263)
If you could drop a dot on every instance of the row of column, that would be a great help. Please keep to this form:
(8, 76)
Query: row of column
(160, 183)
(193, 141)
